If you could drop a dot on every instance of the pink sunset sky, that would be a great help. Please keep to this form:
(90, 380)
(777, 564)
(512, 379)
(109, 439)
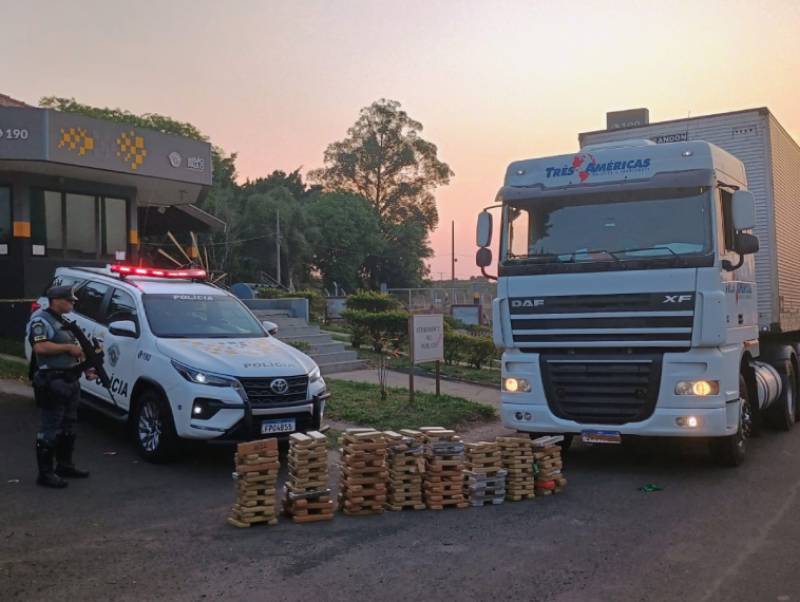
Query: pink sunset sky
(492, 82)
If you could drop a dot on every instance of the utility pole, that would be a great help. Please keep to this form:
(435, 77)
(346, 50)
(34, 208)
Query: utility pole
(278, 246)
(453, 262)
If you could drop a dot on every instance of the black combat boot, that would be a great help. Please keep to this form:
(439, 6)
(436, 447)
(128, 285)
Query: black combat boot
(44, 457)
(65, 446)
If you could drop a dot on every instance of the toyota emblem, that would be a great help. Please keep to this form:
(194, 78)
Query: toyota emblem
(279, 386)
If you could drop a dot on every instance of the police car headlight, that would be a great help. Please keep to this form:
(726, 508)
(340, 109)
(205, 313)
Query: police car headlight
(314, 375)
(201, 377)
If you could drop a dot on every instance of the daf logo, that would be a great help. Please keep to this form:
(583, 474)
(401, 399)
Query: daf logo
(677, 298)
(527, 302)
(279, 386)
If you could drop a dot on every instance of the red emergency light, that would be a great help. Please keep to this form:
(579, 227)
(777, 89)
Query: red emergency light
(132, 270)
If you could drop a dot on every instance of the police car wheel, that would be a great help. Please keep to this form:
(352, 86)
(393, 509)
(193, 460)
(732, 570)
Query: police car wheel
(153, 429)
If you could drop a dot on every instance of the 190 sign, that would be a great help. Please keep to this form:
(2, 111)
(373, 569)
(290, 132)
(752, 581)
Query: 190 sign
(14, 133)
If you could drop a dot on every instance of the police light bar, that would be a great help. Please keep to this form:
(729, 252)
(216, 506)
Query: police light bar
(130, 270)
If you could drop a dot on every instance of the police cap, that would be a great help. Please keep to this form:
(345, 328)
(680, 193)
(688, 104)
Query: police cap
(61, 292)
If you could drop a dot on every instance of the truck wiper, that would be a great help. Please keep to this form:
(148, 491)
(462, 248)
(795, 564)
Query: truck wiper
(674, 254)
(609, 253)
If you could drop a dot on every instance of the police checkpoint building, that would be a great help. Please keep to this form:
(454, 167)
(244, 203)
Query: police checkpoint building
(80, 191)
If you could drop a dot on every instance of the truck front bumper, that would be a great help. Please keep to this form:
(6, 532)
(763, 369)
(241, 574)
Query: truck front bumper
(713, 416)
(711, 422)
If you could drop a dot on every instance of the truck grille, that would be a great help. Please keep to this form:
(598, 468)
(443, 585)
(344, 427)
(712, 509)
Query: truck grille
(259, 391)
(629, 320)
(608, 391)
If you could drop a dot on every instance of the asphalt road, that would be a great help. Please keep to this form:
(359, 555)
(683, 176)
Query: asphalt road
(135, 531)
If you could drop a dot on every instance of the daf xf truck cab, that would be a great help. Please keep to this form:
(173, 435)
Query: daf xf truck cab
(626, 299)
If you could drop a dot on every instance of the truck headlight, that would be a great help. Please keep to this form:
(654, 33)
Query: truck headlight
(201, 377)
(699, 388)
(516, 385)
(314, 375)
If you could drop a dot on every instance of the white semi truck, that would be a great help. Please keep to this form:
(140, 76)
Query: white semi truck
(633, 299)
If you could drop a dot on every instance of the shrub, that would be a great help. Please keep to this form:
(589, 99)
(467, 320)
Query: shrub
(372, 301)
(476, 351)
(381, 329)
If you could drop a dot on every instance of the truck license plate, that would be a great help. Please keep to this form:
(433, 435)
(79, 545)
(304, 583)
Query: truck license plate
(282, 425)
(601, 437)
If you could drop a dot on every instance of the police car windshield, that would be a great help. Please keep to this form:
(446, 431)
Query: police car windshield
(199, 317)
(663, 223)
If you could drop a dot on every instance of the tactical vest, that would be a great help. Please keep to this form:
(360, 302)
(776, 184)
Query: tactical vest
(62, 361)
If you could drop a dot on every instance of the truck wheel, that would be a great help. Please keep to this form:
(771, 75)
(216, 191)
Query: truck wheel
(153, 428)
(783, 413)
(731, 451)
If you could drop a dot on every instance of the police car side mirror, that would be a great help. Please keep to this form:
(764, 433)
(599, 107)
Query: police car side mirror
(123, 328)
(270, 327)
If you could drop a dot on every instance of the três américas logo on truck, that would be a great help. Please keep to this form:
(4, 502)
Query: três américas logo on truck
(586, 165)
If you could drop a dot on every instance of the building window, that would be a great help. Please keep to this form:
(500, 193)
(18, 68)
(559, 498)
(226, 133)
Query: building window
(114, 221)
(5, 216)
(81, 226)
(47, 224)
(78, 225)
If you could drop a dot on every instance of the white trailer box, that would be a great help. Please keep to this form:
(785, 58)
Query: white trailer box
(772, 163)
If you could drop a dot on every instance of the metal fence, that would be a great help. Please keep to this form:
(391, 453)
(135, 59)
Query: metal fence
(441, 299)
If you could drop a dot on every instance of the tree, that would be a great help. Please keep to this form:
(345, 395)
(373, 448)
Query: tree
(348, 234)
(256, 232)
(402, 263)
(385, 160)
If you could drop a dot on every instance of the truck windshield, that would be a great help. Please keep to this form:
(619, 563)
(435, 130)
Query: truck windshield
(609, 226)
(200, 317)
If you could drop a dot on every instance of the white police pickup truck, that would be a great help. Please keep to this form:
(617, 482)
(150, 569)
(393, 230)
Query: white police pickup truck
(188, 360)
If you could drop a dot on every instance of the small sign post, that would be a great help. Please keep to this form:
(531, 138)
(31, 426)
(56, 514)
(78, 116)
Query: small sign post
(425, 344)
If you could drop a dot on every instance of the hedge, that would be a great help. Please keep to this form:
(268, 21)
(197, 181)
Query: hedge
(476, 351)
(372, 301)
(379, 329)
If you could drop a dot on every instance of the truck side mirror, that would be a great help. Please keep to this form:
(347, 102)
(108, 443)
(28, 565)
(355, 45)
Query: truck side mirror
(746, 244)
(744, 210)
(483, 236)
(484, 257)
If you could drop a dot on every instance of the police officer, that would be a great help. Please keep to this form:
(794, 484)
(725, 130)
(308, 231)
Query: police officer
(59, 363)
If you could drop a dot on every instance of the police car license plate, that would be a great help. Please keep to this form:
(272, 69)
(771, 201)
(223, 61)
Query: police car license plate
(601, 437)
(282, 425)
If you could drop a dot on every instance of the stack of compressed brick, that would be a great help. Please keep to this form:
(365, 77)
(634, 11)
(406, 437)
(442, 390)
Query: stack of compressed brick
(548, 465)
(362, 489)
(484, 475)
(256, 476)
(406, 466)
(308, 496)
(443, 484)
(517, 456)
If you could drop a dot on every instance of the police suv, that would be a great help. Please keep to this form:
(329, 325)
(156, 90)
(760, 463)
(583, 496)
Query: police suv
(188, 360)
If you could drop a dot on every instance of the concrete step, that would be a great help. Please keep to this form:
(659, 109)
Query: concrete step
(347, 366)
(299, 331)
(328, 347)
(310, 339)
(287, 322)
(269, 314)
(335, 357)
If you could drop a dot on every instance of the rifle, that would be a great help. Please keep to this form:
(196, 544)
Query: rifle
(92, 351)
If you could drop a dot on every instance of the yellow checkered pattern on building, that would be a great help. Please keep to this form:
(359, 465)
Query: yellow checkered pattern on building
(77, 140)
(131, 149)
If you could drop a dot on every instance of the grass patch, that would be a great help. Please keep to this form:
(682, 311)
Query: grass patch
(13, 370)
(12, 346)
(360, 403)
(481, 376)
